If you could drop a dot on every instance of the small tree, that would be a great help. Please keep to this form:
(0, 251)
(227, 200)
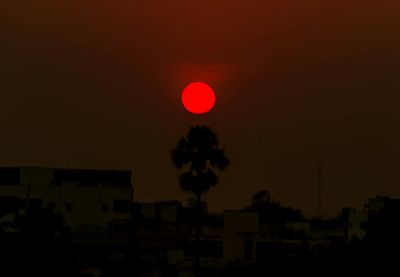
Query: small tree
(198, 155)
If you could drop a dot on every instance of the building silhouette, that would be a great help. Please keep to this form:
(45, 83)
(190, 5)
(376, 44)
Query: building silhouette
(110, 235)
(94, 199)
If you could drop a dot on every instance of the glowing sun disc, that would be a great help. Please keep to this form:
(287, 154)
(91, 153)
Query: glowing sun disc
(198, 98)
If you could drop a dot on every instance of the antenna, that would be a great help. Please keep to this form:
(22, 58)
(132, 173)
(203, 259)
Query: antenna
(319, 184)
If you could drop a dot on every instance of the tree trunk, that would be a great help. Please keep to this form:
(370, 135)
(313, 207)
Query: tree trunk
(197, 239)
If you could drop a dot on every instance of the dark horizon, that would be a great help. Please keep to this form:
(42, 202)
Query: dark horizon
(80, 222)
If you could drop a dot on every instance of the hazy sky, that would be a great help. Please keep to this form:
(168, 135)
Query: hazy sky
(96, 84)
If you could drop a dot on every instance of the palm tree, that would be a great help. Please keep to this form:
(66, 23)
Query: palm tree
(198, 154)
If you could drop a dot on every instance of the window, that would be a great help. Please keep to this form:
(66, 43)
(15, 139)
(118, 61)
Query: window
(121, 206)
(104, 208)
(9, 204)
(68, 207)
(119, 227)
(35, 203)
(22, 203)
(52, 205)
(248, 249)
(10, 176)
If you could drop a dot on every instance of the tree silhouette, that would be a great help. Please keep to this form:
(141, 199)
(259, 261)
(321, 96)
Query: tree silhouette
(191, 203)
(271, 211)
(198, 155)
(261, 197)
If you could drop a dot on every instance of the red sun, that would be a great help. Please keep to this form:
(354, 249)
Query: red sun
(198, 98)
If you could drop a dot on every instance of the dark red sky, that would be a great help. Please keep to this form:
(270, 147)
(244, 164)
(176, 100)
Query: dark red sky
(96, 84)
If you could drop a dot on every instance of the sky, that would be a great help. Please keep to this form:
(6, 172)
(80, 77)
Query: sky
(97, 84)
